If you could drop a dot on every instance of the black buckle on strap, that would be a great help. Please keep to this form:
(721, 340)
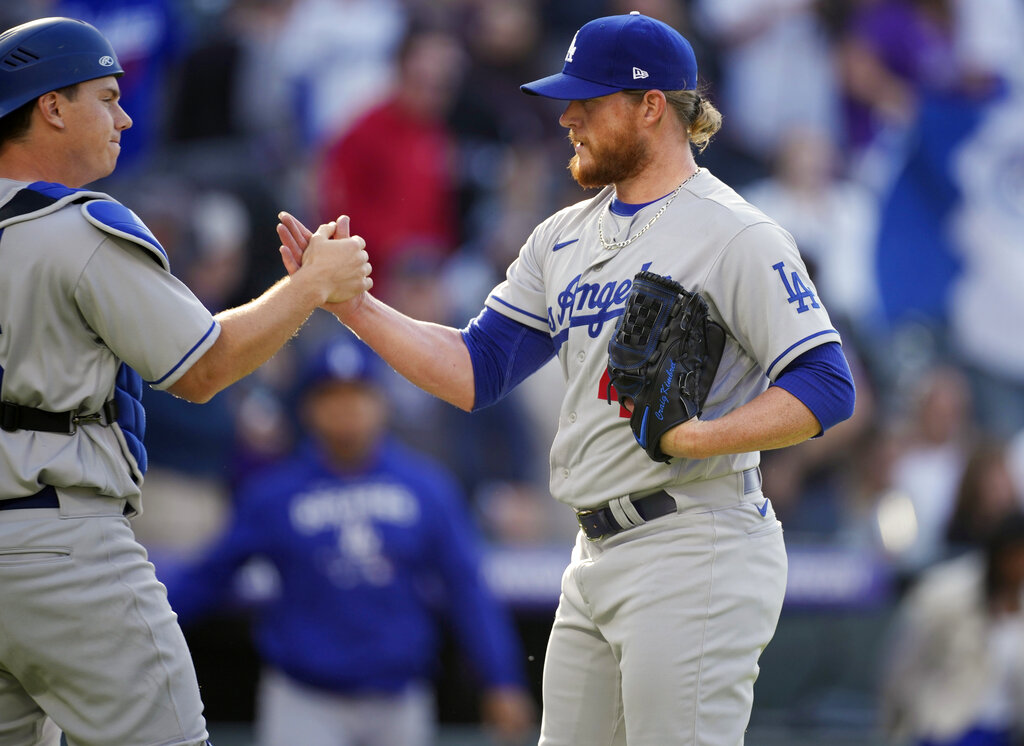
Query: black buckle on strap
(17, 417)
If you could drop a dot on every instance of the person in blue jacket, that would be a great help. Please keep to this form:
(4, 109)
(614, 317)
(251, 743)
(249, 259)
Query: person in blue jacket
(375, 552)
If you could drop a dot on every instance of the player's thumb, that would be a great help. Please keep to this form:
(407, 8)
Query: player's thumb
(323, 233)
(316, 241)
(343, 229)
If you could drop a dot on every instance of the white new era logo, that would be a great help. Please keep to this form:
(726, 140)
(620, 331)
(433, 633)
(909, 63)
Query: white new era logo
(638, 74)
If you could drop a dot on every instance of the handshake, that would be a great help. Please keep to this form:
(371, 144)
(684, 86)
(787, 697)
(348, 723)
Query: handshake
(336, 263)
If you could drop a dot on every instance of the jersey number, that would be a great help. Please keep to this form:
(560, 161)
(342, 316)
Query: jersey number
(798, 292)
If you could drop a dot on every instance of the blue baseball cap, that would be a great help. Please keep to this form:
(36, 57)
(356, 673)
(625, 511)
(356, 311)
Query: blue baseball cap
(343, 359)
(616, 53)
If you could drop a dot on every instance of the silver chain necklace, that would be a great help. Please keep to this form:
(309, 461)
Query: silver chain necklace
(628, 241)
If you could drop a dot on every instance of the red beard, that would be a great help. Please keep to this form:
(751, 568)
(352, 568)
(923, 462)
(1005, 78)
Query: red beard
(623, 157)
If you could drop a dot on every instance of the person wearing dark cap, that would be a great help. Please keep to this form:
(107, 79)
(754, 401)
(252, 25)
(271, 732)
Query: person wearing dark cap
(375, 553)
(678, 575)
(89, 310)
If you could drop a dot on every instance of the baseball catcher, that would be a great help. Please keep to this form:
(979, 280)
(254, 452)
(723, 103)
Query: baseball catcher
(663, 356)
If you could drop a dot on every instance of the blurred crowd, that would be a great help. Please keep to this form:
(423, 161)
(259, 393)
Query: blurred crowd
(885, 135)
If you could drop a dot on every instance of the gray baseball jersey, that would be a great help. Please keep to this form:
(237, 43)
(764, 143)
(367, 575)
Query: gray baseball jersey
(77, 297)
(567, 284)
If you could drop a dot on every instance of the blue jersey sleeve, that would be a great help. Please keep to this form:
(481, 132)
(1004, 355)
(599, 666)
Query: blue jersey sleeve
(202, 587)
(504, 352)
(821, 379)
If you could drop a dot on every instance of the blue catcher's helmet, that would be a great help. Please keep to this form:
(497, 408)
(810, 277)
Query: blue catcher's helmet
(41, 56)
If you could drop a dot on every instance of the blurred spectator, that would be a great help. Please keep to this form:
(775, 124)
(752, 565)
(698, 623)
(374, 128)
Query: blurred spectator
(149, 37)
(777, 72)
(232, 126)
(938, 437)
(374, 551)
(890, 50)
(832, 218)
(336, 60)
(391, 171)
(985, 495)
(230, 96)
(940, 75)
(877, 518)
(986, 305)
(895, 53)
(503, 141)
(955, 673)
(913, 97)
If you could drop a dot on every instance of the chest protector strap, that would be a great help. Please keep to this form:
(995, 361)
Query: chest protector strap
(125, 408)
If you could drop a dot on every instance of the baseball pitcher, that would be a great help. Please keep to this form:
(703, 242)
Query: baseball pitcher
(691, 338)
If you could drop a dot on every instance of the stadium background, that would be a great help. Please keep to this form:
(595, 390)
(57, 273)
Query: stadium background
(879, 132)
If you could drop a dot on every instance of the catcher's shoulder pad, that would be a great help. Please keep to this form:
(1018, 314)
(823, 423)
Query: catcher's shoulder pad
(38, 199)
(117, 220)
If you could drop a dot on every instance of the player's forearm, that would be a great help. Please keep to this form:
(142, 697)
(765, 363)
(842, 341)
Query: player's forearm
(250, 335)
(775, 419)
(431, 356)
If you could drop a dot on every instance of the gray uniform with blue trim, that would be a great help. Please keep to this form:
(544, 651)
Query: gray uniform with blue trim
(659, 628)
(88, 642)
(79, 296)
(566, 284)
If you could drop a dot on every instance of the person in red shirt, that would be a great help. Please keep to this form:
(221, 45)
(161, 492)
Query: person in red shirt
(392, 169)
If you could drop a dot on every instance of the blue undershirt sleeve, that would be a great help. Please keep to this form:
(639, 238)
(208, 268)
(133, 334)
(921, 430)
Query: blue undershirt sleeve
(821, 379)
(504, 352)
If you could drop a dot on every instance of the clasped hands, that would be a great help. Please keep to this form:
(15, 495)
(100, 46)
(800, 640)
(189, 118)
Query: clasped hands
(339, 258)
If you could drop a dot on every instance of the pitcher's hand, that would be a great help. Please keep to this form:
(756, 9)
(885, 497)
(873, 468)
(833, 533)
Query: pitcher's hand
(340, 262)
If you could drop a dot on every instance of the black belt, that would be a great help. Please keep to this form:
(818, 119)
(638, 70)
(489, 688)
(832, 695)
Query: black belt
(601, 522)
(45, 498)
(17, 417)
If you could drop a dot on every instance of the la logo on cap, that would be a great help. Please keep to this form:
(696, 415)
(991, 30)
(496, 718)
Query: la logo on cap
(618, 53)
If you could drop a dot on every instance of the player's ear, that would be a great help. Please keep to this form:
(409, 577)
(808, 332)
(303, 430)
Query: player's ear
(49, 107)
(653, 105)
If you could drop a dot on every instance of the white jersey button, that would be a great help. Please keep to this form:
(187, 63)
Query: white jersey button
(581, 356)
(572, 416)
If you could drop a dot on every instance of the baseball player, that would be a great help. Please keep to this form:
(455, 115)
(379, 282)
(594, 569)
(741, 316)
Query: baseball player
(88, 311)
(677, 578)
(374, 548)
